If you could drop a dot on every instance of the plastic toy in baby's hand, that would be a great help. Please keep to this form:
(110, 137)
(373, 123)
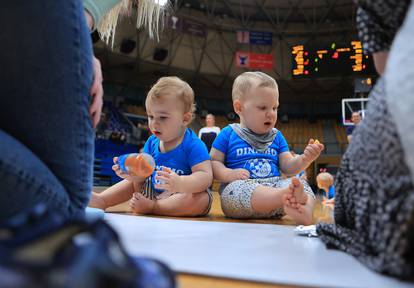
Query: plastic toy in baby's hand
(316, 141)
(136, 164)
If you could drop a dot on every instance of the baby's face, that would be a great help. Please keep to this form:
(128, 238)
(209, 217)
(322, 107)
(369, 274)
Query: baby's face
(259, 109)
(166, 118)
(210, 121)
(323, 184)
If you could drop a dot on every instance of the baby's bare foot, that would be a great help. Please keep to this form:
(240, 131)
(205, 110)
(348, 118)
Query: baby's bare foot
(140, 204)
(298, 191)
(96, 201)
(302, 214)
(288, 198)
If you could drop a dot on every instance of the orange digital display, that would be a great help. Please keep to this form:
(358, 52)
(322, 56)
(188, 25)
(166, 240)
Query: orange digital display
(334, 60)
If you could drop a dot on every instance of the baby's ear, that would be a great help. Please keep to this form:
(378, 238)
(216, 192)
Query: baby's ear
(237, 106)
(188, 117)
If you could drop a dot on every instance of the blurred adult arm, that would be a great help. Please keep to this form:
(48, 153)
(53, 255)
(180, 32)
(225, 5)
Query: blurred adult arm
(94, 11)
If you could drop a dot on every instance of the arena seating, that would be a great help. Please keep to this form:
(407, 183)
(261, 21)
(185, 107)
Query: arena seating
(105, 150)
(340, 132)
(117, 121)
(298, 132)
(137, 110)
(221, 121)
(340, 135)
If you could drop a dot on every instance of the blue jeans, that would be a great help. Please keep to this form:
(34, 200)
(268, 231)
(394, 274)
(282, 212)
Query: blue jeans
(46, 136)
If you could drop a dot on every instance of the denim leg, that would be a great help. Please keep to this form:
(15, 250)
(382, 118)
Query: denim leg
(26, 180)
(46, 134)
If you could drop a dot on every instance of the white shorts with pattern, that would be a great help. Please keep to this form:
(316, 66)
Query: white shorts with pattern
(236, 197)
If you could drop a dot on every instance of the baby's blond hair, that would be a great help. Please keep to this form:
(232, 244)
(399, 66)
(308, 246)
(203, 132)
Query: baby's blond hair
(173, 87)
(245, 81)
(325, 176)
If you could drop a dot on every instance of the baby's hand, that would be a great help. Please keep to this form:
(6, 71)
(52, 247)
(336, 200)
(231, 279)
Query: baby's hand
(117, 170)
(312, 151)
(123, 175)
(170, 181)
(239, 174)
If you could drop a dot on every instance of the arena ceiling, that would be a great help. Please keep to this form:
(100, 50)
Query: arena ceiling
(313, 13)
(209, 61)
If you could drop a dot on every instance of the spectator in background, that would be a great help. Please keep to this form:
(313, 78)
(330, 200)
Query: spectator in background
(355, 118)
(122, 137)
(208, 133)
(118, 137)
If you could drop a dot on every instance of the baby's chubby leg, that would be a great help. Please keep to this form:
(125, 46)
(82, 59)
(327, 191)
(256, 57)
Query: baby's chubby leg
(178, 204)
(116, 194)
(266, 199)
(96, 201)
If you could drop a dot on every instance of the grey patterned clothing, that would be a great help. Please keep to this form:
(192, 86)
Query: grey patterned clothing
(236, 197)
(374, 200)
(379, 21)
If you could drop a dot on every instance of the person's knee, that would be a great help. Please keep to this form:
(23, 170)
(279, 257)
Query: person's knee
(234, 209)
(197, 203)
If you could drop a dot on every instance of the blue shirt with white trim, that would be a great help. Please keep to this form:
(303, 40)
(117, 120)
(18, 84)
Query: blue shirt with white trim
(189, 153)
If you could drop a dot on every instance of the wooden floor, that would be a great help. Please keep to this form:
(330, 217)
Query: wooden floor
(321, 214)
(194, 281)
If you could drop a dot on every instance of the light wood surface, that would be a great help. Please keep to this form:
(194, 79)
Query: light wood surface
(197, 281)
(321, 214)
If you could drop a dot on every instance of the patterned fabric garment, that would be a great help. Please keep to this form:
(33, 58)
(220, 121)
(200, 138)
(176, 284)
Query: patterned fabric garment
(147, 189)
(379, 21)
(236, 197)
(374, 201)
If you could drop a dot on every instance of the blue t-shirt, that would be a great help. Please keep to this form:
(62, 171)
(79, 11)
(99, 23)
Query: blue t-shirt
(190, 152)
(239, 154)
(331, 192)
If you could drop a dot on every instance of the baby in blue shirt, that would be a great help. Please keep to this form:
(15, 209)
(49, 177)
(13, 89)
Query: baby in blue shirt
(325, 181)
(249, 156)
(178, 186)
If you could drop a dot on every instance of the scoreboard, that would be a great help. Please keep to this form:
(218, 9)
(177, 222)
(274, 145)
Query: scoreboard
(331, 61)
